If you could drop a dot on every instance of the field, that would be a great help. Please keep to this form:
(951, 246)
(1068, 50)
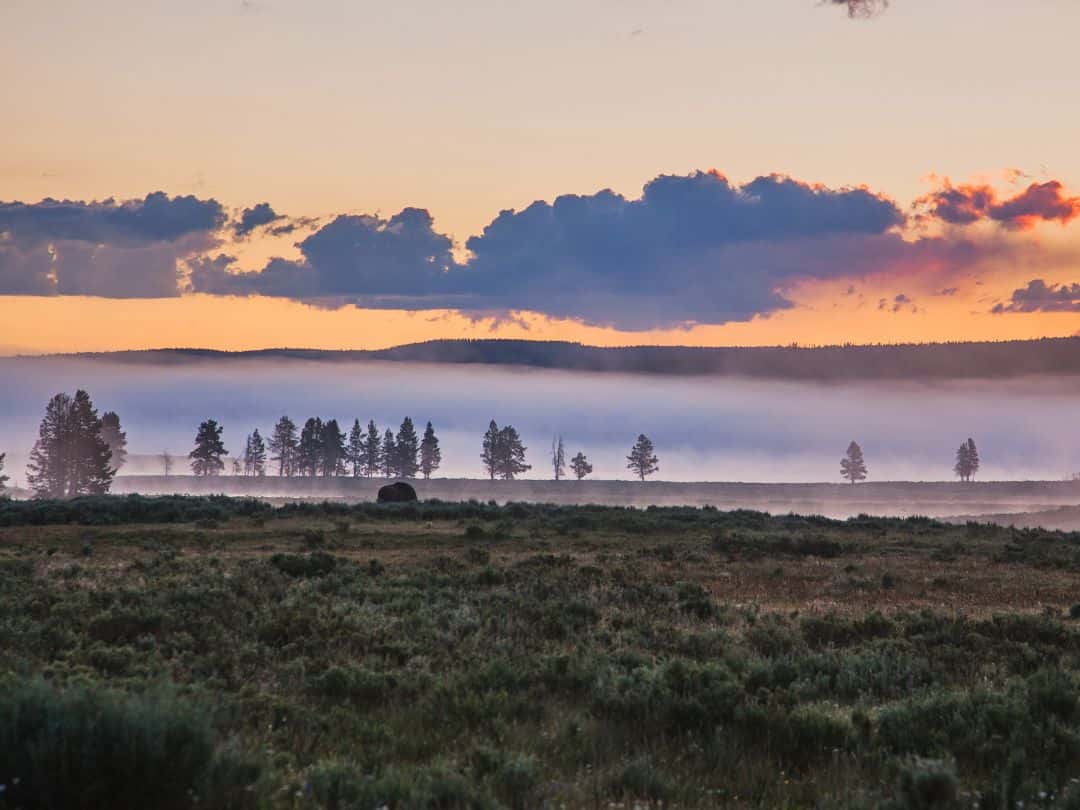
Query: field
(898, 498)
(214, 652)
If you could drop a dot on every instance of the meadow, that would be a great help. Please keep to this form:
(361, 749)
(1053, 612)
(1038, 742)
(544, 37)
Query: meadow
(210, 652)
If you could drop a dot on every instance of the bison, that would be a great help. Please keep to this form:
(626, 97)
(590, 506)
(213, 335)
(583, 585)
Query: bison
(398, 492)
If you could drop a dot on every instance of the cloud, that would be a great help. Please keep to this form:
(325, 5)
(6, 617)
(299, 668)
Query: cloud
(861, 8)
(124, 249)
(1039, 296)
(350, 256)
(968, 204)
(256, 217)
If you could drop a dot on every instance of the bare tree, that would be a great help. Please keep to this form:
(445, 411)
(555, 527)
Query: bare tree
(558, 457)
(166, 462)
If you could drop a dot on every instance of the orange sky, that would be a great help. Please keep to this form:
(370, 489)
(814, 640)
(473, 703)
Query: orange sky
(326, 107)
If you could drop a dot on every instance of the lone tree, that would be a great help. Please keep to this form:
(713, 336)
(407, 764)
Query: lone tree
(207, 459)
(502, 453)
(166, 462)
(408, 450)
(967, 460)
(580, 465)
(558, 457)
(70, 457)
(389, 455)
(255, 455)
(3, 478)
(430, 454)
(852, 466)
(354, 450)
(283, 446)
(372, 453)
(642, 459)
(114, 437)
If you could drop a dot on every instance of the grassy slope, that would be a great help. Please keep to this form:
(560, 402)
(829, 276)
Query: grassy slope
(463, 655)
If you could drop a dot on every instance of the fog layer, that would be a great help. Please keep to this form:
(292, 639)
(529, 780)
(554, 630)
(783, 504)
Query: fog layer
(719, 429)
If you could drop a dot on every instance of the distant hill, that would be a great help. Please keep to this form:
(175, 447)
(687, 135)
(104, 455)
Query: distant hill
(1048, 356)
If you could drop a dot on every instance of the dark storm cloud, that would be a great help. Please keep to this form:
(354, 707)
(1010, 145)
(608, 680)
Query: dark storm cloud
(350, 256)
(692, 248)
(967, 204)
(157, 217)
(861, 8)
(1039, 296)
(126, 249)
(255, 217)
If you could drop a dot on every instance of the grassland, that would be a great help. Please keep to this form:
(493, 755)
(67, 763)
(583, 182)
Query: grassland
(208, 652)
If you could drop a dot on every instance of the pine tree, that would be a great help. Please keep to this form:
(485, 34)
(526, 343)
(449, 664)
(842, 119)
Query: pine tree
(248, 462)
(852, 466)
(973, 459)
(354, 452)
(333, 449)
(283, 446)
(258, 454)
(114, 437)
(3, 478)
(408, 449)
(389, 454)
(70, 457)
(489, 453)
(166, 463)
(92, 471)
(642, 459)
(558, 458)
(309, 450)
(511, 454)
(207, 459)
(372, 461)
(580, 465)
(430, 455)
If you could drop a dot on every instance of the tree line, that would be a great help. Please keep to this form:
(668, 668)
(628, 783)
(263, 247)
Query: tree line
(78, 452)
(322, 449)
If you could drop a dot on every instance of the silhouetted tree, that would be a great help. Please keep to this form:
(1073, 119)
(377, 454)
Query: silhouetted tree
(489, 453)
(237, 469)
(511, 454)
(852, 466)
(255, 455)
(389, 454)
(333, 449)
(283, 445)
(207, 459)
(580, 465)
(166, 462)
(3, 478)
(430, 454)
(354, 451)
(70, 457)
(372, 461)
(115, 438)
(408, 450)
(642, 459)
(309, 450)
(502, 452)
(558, 457)
(967, 460)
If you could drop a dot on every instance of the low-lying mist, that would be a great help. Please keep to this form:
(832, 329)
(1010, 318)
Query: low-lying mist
(704, 428)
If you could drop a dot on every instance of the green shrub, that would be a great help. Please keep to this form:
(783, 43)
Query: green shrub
(927, 784)
(316, 564)
(640, 779)
(91, 748)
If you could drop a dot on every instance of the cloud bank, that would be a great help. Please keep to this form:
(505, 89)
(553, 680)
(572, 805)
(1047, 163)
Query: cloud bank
(1038, 296)
(693, 248)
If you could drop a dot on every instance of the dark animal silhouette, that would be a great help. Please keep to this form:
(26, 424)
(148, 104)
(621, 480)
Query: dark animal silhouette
(398, 492)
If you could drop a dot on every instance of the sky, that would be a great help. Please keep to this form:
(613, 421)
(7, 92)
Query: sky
(331, 174)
